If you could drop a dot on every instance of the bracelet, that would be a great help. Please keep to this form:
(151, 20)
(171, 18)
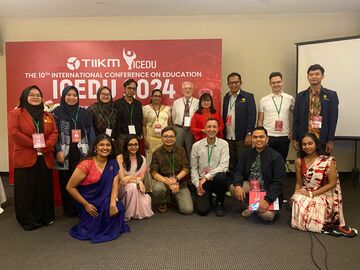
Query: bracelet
(310, 194)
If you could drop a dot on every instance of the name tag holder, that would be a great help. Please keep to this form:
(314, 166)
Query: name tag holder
(76, 135)
(38, 140)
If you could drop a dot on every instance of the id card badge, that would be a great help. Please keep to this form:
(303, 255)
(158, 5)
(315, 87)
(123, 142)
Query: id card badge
(132, 129)
(254, 185)
(158, 129)
(279, 125)
(108, 131)
(38, 140)
(316, 121)
(207, 169)
(76, 135)
(186, 121)
(228, 120)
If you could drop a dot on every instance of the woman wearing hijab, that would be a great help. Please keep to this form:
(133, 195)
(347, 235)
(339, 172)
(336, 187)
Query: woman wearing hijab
(103, 112)
(76, 133)
(34, 134)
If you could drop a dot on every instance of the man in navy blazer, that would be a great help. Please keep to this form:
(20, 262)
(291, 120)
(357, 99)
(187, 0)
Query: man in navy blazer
(316, 110)
(239, 114)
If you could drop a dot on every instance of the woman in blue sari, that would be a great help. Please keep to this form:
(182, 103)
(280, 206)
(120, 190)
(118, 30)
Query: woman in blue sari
(94, 185)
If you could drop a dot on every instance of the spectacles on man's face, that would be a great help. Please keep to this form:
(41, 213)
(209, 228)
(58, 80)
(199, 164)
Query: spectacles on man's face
(168, 136)
(35, 95)
(233, 83)
(157, 96)
(133, 145)
(130, 88)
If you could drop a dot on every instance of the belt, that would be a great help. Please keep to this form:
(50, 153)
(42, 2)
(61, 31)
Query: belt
(180, 126)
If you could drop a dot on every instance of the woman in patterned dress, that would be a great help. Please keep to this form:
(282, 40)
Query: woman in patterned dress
(317, 201)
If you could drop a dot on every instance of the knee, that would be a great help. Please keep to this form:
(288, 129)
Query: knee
(158, 188)
(186, 209)
(202, 211)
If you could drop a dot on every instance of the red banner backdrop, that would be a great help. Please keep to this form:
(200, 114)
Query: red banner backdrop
(162, 64)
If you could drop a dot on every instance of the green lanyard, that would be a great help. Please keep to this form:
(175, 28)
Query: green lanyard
(76, 118)
(130, 112)
(232, 105)
(36, 123)
(104, 116)
(210, 153)
(276, 107)
(172, 164)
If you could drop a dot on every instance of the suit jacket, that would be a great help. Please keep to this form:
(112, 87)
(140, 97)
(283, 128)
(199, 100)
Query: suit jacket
(21, 128)
(245, 113)
(272, 169)
(329, 112)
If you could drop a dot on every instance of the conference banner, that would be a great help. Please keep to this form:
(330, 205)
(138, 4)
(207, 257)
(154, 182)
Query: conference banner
(154, 64)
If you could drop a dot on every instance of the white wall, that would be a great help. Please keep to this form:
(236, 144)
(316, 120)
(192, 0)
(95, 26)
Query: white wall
(253, 45)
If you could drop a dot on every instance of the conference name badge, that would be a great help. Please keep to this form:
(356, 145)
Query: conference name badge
(316, 121)
(158, 129)
(228, 120)
(187, 121)
(108, 131)
(279, 125)
(76, 135)
(132, 129)
(38, 140)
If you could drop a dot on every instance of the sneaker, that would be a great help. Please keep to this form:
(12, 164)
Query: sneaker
(162, 207)
(49, 223)
(246, 213)
(220, 209)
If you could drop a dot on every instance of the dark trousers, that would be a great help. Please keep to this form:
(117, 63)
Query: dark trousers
(34, 196)
(280, 145)
(236, 151)
(219, 185)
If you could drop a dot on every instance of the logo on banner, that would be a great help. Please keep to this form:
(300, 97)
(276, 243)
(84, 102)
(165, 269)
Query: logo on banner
(129, 57)
(73, 63)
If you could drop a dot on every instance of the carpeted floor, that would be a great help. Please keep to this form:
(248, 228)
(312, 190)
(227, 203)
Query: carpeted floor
(175, 241)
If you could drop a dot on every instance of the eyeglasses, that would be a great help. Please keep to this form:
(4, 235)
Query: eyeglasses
(131, 88)
(235, 82)
(168, 136)
(156, 96)
(34, 95)
(133, 145)
(105, 94)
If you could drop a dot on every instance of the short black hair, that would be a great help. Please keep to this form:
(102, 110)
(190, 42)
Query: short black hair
(156, 90)
(233, 74)
(275, 74)
(260, 128)
(316, 67)
(129, 81)
(165, 129)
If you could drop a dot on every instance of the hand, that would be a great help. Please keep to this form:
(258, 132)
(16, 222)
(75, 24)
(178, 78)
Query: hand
(170, 181)
(200, 190)
(174, 188)
(60, 157)
(290, 136)
(91, 210)
(329, 147)
(296, 145)
(263, 206)
(146, 144)
(248, 140)
(142, 187)
(239, 193)
(113, 210)
(303, 192)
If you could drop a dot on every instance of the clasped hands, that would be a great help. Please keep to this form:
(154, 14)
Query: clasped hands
(172, 184)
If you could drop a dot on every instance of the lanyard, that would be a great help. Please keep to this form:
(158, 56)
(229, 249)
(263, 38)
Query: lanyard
(104, 116)
(276, 107)
(36, 123)
(207, 115)
(157, 113)
(210, 153)
(172, 164)
(76, 118)
(232, 105)
(129, 111)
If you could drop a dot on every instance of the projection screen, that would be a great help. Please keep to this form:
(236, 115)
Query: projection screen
(341, 59)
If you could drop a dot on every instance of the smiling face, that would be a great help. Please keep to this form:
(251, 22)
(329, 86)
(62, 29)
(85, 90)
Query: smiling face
(156, 98)
(34, 98)
(71, 98)
(308, 145)
(234, 84)
(206, 103)
(103, 148)
(259, 139)
(188, 90)
(133, 146)
(315, 77)
(276, 84)
(168, 138)
(130, 90)
(105, 95)
(211, 128)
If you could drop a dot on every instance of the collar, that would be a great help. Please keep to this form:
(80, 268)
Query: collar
(274, 95)
(216, 141)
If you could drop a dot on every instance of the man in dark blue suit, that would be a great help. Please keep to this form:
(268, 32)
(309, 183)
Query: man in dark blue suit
(239, 114)
(316, 110)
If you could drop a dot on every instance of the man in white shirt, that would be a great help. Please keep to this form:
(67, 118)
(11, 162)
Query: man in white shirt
(274, 115)
(182, 111)
(209, 164)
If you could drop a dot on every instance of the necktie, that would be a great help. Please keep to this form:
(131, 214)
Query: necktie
(186, 110)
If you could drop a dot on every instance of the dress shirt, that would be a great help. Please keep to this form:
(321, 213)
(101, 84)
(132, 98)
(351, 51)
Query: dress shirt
(267, 107)
(219, 161)
(178, 107)
(230, 129)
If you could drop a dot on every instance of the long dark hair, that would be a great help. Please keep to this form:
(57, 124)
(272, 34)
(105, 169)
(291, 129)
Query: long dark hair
(126, 155)
(91, 153)
(206, 96)
(315, 139)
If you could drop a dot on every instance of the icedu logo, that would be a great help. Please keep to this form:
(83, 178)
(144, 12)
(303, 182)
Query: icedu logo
(73, 63)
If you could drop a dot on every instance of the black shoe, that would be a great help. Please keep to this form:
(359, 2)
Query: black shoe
(220, 209)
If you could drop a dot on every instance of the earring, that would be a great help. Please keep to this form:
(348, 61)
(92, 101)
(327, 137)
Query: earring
(94, 151)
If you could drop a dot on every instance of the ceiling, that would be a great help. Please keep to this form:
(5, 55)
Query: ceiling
(114, 8)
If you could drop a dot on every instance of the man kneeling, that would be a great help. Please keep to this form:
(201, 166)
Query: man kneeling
(260, 169)
(209, 163)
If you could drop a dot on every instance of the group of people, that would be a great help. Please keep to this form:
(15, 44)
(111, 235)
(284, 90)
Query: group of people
(105, 180)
